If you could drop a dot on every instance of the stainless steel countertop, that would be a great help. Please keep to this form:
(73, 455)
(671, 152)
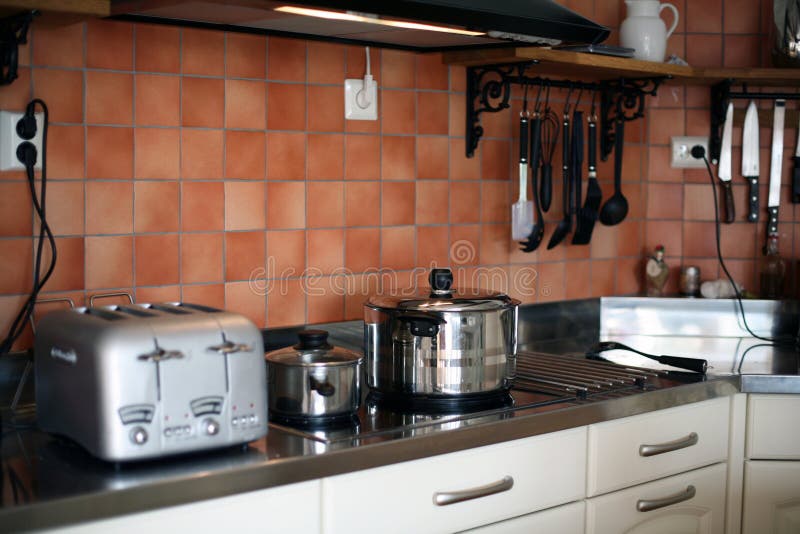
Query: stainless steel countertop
(56, 483)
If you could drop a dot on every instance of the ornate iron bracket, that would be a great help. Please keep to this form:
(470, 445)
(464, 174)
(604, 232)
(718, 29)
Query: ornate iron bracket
(622, 100)
(13, 32)
(489, 91)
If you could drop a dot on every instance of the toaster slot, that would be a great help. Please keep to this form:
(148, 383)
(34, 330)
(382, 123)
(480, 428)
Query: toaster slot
(166, 308)
(207, 405)
(136, 312)
(136, 413)
(108, 315)
(199, 307)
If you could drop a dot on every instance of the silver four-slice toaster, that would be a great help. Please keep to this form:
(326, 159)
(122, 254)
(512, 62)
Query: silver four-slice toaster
(150, 380)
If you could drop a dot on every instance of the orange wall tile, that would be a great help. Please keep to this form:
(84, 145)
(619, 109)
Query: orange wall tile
(186, 163)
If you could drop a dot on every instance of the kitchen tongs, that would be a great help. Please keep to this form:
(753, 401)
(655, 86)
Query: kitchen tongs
(695, 365)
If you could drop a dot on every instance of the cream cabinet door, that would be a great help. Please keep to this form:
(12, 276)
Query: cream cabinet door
(772, 429)
(460, 490)
(285, 509)
(771, 497)
(567, 519)
(689, 503)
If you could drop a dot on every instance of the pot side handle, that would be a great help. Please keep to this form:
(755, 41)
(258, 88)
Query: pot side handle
(422, 324)
(326, 389)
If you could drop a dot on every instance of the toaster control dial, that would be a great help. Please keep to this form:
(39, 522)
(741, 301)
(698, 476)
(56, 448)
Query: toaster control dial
(210, 426)
(138, 435)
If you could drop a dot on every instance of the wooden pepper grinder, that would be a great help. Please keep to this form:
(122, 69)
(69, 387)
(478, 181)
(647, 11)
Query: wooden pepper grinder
(657, 272)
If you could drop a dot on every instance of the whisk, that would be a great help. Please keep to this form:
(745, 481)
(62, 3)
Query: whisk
(550, 128)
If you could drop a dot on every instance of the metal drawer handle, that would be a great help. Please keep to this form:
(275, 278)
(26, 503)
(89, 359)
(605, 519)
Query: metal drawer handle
(661, 448)
(443, 498)
(229, 347)
(648, 505)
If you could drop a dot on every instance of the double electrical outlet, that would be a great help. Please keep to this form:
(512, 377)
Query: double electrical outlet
(682, 152)
(10, 140)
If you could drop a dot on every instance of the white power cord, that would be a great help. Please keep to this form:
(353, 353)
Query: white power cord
(362, 97)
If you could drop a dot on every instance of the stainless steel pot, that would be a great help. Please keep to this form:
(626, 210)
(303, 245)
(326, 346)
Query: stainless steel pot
(313, 379)
(442, 342)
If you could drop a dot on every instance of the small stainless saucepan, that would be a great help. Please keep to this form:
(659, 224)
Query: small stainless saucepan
(313, 380)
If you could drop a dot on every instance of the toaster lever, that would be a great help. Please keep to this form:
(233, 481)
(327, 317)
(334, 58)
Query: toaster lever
(229, 347)
(160, 354)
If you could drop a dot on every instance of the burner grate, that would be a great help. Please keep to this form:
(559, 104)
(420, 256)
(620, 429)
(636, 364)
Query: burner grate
(579, 377)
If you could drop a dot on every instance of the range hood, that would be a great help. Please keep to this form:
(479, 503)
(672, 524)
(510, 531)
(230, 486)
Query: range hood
(420, 25)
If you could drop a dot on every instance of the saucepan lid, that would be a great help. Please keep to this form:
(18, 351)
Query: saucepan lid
(443, 297)
(313, 350)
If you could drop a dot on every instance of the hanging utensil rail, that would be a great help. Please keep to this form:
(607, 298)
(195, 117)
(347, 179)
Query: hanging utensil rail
(489, 91)
(721, 95)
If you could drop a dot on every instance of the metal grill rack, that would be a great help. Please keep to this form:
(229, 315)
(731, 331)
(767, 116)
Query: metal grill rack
(579, 377)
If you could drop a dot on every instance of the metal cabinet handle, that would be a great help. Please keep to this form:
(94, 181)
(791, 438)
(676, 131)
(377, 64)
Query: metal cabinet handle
(229, 347)
(443, 498)
(661, 448)
(648, 505)
(160, 354)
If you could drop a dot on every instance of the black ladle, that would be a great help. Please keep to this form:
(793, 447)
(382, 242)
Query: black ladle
(616, 208)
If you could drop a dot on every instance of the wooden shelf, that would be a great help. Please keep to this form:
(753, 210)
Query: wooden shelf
(599, 67)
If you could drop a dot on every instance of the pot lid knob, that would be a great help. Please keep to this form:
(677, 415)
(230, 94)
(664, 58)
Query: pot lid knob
(441, 280)
(313, 339)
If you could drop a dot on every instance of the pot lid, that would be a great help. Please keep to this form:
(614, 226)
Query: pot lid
(443, 297)
(313, 350)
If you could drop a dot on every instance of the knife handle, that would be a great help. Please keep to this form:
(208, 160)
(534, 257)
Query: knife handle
(727, 193)
(752, 197)
(772, 222)
(796, 180)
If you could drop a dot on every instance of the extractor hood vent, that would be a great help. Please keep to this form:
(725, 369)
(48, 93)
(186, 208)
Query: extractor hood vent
(478, 23)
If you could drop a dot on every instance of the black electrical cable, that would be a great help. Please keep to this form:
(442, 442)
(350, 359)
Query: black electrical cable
(40, 207)
(699, 152)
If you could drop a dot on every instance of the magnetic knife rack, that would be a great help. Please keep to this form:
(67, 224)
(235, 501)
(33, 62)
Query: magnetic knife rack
(721, 95)
(489, 91)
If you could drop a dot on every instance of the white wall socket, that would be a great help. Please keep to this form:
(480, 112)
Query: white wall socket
(352, 109)
(682, 152)
(9, 140)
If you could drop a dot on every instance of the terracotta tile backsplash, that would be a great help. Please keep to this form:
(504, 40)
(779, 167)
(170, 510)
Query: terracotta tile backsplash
(218, 168)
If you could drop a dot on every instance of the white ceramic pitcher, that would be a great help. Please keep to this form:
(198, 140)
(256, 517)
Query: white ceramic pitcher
(644, 30)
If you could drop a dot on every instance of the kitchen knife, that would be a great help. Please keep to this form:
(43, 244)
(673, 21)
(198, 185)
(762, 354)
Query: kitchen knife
(724, 168)
(750, 159)
(776, 162)
(796, 171)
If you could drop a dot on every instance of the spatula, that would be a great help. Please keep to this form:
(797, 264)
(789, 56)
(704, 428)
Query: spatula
(588, 214)
(522, 209)
(565, 226)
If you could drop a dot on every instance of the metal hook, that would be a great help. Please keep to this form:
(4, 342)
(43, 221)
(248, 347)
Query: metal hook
(566, 102)
(524, 111)
(547, 97)
(538, 106)
(578, 100)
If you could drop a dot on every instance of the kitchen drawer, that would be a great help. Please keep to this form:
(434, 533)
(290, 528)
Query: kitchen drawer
(771, 497)
(566, 519)
(772, 429)
(701, 506)
(617, 458)
(547, 470)
(292, 508)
